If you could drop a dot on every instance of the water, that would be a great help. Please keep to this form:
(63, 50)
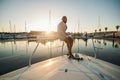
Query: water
(15, 54)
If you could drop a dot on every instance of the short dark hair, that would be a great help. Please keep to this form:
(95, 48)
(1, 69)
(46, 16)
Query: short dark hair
(64, 17)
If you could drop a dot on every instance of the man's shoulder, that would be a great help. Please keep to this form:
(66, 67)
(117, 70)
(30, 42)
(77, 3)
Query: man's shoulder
(61, 23)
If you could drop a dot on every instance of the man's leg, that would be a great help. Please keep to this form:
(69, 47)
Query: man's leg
(69, 42)
(68, 45)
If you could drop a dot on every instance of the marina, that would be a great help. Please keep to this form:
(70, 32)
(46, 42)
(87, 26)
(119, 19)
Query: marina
(59, 39)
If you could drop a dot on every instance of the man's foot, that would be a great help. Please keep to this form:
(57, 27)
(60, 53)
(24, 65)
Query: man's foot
(67, 54)
(71, 56)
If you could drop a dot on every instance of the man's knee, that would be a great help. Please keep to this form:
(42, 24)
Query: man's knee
(68, 39)
(71, 39)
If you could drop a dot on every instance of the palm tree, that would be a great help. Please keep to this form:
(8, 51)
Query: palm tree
(117, 27)
(95, 30)
(100, 30)
(106, 29)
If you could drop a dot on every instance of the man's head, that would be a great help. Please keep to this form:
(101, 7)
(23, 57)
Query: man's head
(64, 19)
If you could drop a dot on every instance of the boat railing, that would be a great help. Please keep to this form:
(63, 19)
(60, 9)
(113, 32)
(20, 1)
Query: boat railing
(95, 52)
(31, 56)
(30, 59)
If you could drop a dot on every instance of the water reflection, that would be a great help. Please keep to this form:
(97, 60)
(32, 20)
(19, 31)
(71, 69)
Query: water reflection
(16, 52)
(85, 40)
(104, 42)
(115, 43)
(15, 47)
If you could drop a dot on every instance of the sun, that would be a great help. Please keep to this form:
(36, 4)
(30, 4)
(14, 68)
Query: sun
(43, 26)
(48, 43)
(48, 31)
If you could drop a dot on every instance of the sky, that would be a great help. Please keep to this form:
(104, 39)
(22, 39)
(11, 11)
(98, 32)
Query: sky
(45, 15)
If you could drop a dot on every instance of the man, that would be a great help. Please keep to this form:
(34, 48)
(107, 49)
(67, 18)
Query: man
(61, 29)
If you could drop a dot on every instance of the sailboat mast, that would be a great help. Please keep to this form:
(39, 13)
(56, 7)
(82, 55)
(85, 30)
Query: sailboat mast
(2, 29)
(14, 29)
(78, 25)
(99, 22)
(25, 27)
(10, 26)
(50, 19)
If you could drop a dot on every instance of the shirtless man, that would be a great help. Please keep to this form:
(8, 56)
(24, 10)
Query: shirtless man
(61, 29)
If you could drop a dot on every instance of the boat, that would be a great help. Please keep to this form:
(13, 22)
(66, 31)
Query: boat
(62, 68)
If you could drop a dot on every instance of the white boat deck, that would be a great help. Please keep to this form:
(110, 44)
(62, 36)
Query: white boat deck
(61, 68)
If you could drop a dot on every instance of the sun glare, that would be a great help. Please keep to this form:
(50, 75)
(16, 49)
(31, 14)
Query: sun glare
(50, 62)
(48, 31)
(48, 43)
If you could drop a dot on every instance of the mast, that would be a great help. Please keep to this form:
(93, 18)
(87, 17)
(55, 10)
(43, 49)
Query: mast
(14, 29)
(99, 22)
(50, 19)
(2, 29)
(78, 26)
(25, 27)
(50, 30)
(10, 26)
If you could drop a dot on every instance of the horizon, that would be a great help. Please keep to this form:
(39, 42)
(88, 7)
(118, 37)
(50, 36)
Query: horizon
(45, 15)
